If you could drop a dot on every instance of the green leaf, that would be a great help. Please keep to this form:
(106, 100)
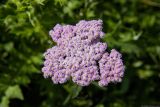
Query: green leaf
(14, 92)
(4, 102)
(143, 74)
(24, 80)
(61, 2)
(39, 2)
(73, 90)
(9, 46)
(137, 64)
(100, 105)
(76, 90)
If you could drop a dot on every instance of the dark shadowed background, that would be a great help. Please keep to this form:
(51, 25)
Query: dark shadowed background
(131, 26)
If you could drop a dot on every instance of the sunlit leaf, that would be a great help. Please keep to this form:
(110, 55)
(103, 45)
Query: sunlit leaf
(14, 92)
(143, 74)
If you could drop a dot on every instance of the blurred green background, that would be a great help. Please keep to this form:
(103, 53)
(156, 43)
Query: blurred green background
(131, 26)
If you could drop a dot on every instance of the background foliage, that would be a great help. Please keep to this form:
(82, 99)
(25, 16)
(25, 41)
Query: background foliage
(131, 26)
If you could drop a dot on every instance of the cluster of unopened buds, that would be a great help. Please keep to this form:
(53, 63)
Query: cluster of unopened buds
(81, 56)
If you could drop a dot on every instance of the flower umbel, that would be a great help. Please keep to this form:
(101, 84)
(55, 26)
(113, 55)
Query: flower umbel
(80, 56)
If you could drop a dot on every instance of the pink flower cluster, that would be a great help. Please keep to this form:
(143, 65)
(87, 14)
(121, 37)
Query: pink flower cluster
(79, 55)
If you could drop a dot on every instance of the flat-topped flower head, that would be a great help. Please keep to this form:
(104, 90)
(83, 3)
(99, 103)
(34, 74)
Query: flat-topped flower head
(80, 56)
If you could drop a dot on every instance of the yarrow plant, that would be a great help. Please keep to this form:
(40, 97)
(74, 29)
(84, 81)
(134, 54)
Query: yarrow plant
(79, 55)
